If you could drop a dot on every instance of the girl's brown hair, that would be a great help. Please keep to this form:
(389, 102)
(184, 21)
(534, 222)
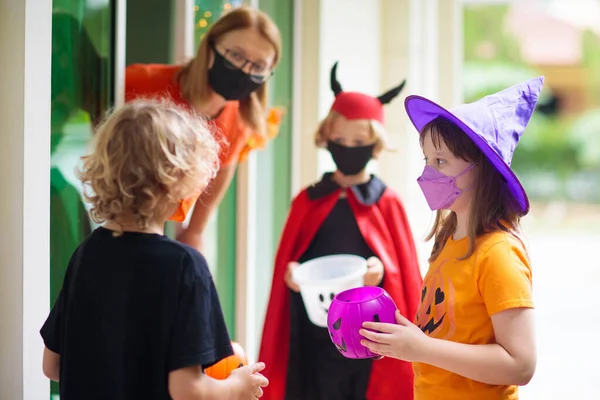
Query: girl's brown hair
(493, 207)
(193, 78)
(148, 155)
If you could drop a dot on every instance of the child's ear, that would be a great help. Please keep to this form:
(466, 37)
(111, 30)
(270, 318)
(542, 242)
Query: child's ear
(378, 148)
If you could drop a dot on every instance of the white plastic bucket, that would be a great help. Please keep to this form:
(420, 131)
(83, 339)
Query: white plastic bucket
(320, 279)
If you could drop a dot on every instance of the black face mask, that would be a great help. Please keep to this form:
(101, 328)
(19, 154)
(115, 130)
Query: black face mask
(229, 82)
(350, 160)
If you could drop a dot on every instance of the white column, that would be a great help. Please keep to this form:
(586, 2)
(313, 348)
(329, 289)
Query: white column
(308, 37)
(350, 34)
(404, 55)
(184, 47)
(25, 59)
(397, 63)
(421, 40)
(450, 52)
(245, 266)
(120, 49)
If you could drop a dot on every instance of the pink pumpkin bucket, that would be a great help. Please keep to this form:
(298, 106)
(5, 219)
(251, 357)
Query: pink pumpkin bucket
(347, 312)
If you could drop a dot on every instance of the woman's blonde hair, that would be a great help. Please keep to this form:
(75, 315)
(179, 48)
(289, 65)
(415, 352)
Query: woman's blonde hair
(378, 133)
(493, 207)
(148, 155)
(193, 78)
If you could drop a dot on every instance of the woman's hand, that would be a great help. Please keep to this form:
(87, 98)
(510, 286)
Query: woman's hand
(404, 341)
(374, 273)
(289, 281)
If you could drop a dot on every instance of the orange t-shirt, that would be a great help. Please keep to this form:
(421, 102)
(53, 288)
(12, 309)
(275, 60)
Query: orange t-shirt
(457, 301)
(147, 80)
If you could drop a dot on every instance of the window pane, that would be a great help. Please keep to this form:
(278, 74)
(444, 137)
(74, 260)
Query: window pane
(219, 237)
(82, 85)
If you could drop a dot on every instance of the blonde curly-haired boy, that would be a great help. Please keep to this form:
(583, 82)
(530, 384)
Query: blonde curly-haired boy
(138, 316)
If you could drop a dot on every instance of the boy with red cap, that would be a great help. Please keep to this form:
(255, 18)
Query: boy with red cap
(347, 212)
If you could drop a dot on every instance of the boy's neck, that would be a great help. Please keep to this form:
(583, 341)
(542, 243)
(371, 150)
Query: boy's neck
(345, 181)
(128, 226)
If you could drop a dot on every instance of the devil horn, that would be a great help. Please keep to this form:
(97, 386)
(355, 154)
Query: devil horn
(389, 95)
(335, 85)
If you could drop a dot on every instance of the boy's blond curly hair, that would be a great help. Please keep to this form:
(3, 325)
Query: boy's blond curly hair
(148, 155)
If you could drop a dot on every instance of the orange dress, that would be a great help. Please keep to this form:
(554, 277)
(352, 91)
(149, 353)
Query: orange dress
(150, 80)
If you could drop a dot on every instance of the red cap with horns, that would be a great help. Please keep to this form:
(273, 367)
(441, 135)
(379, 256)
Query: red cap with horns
(354, 105)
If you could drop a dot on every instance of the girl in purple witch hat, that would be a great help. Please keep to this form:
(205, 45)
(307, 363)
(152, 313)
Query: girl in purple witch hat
(473, 333)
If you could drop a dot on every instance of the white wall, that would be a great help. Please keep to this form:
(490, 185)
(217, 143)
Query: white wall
(25, 41)
(306, 111)
(183, 37)
(377, 44)
(403, 56)
(350, 34)
(422, 41)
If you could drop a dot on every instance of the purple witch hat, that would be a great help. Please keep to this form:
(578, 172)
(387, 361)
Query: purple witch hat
(494, 123)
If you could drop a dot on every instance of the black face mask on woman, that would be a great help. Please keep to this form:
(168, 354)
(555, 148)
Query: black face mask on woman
(228, 81)
(350, 160)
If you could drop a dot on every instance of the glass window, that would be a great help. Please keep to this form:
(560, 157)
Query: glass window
(220, 238)
(82, 86)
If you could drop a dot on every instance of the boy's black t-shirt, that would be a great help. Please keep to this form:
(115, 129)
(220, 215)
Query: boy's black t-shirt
(132, 309)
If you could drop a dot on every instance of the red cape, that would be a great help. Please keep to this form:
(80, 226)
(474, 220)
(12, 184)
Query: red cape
(386, 231)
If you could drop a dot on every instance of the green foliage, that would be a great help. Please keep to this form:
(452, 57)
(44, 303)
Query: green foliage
(483, 78)
(207, 12)
(545, 146)
(584, 134)
(484, 27)
(591, 61)
(557, 156)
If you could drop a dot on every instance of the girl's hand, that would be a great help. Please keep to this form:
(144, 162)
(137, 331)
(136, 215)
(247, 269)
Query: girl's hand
(404, 341)
(374, 273)
(289, 281)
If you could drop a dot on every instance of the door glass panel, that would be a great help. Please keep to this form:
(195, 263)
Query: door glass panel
(82, 87)
(220, 235)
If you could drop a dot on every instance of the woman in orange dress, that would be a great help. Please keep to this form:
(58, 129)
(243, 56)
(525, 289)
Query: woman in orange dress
(227, 82)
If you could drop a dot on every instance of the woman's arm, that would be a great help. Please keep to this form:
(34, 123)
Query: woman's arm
(510, 361)
(51, 364)
(205, 206)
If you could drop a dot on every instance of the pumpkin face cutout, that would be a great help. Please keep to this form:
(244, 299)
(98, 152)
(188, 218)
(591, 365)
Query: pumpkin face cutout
(348, 311)
(223, 368)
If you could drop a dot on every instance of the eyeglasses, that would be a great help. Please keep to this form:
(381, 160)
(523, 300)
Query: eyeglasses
(236, 60)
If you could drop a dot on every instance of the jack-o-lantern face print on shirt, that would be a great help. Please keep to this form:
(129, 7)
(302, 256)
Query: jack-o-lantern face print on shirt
(436, 310)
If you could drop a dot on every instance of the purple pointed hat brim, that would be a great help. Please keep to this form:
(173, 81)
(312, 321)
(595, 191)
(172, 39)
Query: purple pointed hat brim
(421, 111)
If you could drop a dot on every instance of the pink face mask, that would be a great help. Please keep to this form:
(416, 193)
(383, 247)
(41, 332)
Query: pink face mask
(440, 190)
